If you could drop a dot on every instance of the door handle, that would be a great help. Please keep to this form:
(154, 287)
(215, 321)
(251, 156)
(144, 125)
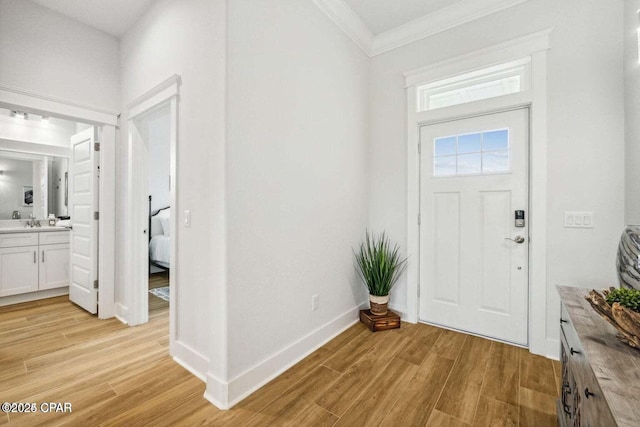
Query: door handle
(42, 256)
(518, 239)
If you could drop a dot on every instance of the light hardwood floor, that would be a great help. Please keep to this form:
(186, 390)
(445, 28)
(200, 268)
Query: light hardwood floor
(51, 351)
(158, 306)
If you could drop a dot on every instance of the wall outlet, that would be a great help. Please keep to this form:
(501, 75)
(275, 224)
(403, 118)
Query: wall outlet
(315, 302)
(578, 219)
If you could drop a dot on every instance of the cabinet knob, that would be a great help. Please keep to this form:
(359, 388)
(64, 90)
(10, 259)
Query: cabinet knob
(587, 393)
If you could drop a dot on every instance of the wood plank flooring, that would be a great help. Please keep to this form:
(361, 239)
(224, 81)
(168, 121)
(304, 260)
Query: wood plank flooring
(419, 375)
(158, 306)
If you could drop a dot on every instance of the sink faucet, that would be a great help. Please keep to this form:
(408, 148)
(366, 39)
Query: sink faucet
(32, 221)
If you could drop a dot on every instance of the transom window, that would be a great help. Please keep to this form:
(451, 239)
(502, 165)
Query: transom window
(472, 153)
(491, 82)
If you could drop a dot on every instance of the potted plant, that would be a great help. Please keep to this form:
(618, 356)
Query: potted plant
(379, 265)
(621, 308)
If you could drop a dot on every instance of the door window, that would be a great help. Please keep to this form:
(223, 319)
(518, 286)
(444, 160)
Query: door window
(472, 153)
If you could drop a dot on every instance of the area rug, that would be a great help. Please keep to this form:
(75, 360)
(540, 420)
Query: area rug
(161, 292)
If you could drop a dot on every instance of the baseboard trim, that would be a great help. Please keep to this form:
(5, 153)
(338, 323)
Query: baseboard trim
(33, 296)
(122, 313)
(191, 360)
(552, 348)
(226, 395)
(217, 392)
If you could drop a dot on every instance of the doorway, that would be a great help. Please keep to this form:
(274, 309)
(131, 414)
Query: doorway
(474, 258)
(97, 289)
(155, 131)
(152, 117)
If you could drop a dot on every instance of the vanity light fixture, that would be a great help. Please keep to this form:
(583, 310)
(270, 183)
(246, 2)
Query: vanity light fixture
(19, 115)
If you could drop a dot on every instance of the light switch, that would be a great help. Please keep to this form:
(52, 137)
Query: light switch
(187, 219)
(578, 219)
(569, 219)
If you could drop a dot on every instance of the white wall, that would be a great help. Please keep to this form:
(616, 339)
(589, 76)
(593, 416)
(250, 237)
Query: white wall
(297, 178)
(45, 52)
(632, 111)
(585, 132)
(178, 37)
(157, 134)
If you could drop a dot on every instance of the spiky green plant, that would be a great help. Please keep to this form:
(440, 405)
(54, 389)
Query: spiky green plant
(629, 298)
(379, 264)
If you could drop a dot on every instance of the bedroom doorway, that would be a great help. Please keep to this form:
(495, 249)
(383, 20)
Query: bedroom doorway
(156, 130)
(152, 140)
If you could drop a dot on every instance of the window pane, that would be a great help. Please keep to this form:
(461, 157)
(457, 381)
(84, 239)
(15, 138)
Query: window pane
(495, 140)
(468, 164)
(490, 82)
(469, 143)
(444, 146)
(495, 161)
(444, 166)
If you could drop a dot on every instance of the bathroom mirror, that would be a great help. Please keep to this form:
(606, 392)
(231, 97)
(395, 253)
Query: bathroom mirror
(33, 185)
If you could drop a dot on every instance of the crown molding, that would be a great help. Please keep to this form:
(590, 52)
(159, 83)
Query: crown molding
(349, 22)
(452, 16)
(437, 22)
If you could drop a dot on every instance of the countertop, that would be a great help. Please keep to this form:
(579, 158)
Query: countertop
(23, 229)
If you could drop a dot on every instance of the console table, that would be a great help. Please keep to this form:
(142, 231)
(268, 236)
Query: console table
(600, 374)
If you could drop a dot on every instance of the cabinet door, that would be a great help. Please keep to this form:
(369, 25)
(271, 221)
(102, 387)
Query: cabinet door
(54, 266)
(18, 270)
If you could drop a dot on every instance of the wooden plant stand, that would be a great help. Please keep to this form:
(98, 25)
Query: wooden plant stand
(375, 323)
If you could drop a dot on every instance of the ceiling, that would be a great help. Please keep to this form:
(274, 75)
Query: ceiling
(376, 26)
(114, 17)
(383, 15)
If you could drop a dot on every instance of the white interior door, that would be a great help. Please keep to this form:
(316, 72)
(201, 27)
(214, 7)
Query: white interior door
(83, 202)
(473, 177)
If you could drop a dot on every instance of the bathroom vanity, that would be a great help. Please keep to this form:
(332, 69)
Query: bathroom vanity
(33, 259)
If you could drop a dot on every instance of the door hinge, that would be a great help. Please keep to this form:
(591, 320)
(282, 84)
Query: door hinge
(418, 219)
(95, 284)
(96, 215)
(96, 146)
(419, 148)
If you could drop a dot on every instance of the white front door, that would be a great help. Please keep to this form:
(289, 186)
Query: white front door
(473, 257)
(83, 202)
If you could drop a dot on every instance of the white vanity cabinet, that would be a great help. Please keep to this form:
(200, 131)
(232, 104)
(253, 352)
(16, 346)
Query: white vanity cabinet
(54, 260)
(33, 261)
